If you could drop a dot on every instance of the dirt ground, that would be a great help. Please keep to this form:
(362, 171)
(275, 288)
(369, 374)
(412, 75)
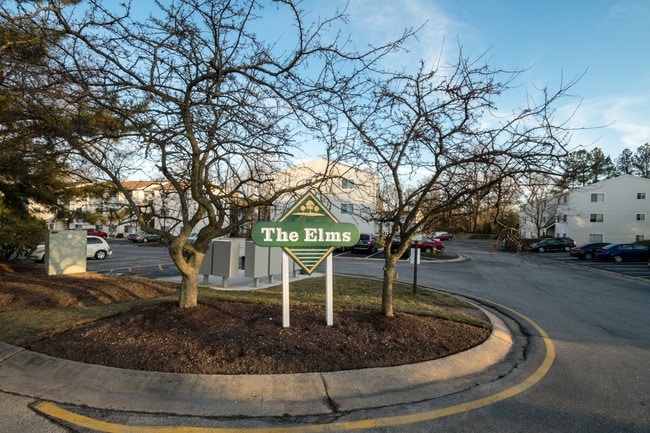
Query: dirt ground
(220, 337)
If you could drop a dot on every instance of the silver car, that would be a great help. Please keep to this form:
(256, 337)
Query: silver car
(96, 248)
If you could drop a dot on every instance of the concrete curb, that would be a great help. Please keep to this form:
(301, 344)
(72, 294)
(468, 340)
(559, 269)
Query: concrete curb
(40, 376)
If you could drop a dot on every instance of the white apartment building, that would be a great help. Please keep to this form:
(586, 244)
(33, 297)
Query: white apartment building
(113, 213)
(350, 193)
(613, 210)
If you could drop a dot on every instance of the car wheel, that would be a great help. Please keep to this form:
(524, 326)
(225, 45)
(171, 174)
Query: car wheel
(567, 248)
(428, 250)
(589, 256)
(100, 255)
(145, 240)
(541, 249)
(618, 258)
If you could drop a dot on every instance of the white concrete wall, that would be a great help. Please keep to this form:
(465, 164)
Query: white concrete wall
(361, 192)
(619, 208)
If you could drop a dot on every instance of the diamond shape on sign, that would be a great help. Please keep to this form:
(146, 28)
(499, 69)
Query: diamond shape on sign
(308, 209)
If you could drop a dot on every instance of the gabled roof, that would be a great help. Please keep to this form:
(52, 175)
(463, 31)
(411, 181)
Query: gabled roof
(626, 178)
(138, 184)
(323, 162)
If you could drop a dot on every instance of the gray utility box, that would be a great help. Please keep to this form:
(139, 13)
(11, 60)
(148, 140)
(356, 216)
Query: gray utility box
(65, 252)
(221, 260)
(262, 261)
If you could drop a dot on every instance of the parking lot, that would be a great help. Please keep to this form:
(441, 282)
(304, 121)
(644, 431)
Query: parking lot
(632, 269)
(152, 260)
(149, 260)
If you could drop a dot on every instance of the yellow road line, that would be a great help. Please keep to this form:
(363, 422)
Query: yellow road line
(55, 411)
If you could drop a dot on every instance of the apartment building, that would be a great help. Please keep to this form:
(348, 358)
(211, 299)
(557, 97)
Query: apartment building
(613, 210)
(350, 194)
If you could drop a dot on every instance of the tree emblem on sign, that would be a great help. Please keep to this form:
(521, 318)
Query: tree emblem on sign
(307, 232)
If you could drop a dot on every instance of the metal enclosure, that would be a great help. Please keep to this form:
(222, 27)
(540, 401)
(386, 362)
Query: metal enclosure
(65, 252)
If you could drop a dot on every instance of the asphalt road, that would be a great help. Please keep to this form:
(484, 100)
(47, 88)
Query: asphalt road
(152, 261)
(597, 320)
(597, 324)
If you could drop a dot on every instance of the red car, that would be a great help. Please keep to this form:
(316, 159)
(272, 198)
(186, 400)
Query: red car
(443, 236)
(428, 244)
(93, 232)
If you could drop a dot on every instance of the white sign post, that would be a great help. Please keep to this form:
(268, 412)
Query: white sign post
(308, 233)
(329, 290)
(285, 289)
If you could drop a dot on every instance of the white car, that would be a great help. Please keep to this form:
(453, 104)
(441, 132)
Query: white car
(96, 248)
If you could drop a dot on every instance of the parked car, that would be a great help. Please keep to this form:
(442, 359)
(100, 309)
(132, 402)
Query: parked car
(553, 244)
(100, 233)
(428, 245)
(367, 244)
(143, 237)
(443, 236)
(38, 253)
(397, 242)
(624, 252)
(587, 251)
(96, 247)
(513, 244)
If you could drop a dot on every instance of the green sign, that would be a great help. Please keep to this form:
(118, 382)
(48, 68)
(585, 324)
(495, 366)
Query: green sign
(307, 232)
(299, 234)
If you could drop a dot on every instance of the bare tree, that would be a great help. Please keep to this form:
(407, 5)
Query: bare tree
(195, 97)
(434, 138)
(540, 205)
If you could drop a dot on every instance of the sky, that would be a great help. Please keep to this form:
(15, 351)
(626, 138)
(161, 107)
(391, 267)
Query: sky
(603, 43)
(606, 43)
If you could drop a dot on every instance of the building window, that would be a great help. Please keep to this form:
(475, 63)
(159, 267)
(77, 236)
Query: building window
(640, 195)
(595, 237)
(597, 197)
(347, 208)
(640, 217)
(596, 217)
(564, 218)
(347, 183)
(639, 238)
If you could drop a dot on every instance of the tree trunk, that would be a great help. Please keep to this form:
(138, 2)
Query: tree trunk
(390, 275)
(189, 294)
(189, 269)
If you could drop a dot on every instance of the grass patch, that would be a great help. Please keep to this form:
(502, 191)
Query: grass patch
(27, 325)
(22, 326)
